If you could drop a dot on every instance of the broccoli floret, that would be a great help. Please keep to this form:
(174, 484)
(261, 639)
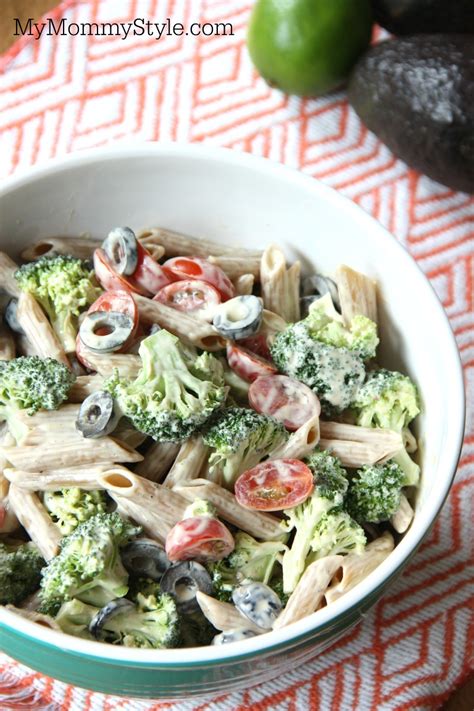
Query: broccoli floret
(74, 617)
(173, 394)
(335, 374)
(374, 493)
(153, 624)
(241, 438)
(320, 523)
(330, 476)
(64, 286)
(20, 572)
(70, 507)
(31, 383)
(390, 400)
(200, 507)
(361, 336)
(88, 565)
(250, 560)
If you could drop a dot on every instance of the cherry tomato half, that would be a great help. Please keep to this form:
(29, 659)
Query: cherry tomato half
(199, 538)
(148, 276)
(108, 277)
(285, 399)
(197, 268)
(274, 485)
(257, 344)
(113, 300)
(246, 364)
(190, 295)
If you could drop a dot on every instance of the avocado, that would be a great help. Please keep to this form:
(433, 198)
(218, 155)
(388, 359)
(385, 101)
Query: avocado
(407, 17)
(308, 47)
(417, 95)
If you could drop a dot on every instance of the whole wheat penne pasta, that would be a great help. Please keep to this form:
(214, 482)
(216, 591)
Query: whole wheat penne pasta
(177, 244)
(258, 524)
(222, 615)
(369, 435)
(129, 436)
(402, 518)
(25, 347)
(35, 520)
(49, 425)
(236, 267)
(280, 286)
(7, 280)
(38, 330)
(354, 568)
(81, 247)
(68, 453)
(8, 520)
(243, 285)
(357, 294)
(82, 477)
(7, 345)
(300, 443)
(309, 592)
(154, 507)
(189, 329)
(157, 460)
(84, 386)
(187, 465)
(33, 616)
(356, 454)
(128, 365)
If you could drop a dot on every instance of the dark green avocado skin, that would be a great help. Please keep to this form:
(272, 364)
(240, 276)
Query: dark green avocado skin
(417, 95)
(409, 17)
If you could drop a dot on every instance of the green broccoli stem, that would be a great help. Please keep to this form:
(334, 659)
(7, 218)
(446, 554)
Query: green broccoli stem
(410, 468)
(65, 326)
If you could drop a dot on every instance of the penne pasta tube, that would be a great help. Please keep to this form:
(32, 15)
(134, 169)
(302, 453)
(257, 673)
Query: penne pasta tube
(49, 425)
(309, 592)
(129, 436)
(8, 520)
(7, 279)
(280, 286)
(33, 616)
(157, 460)
(177, 244)
(369, 435)
(258, 524)
(128, 365)
(81, 247)
(354, 568)
(403, 517)
(244, 285)
(300, 443)
(35, 520)
(25, 347)
(156, 508)
(38, 330)
(357, 294)
(7, 345)
(356, 454)
(189, 329)
(82, 477)
(188, 463)
(84, 386)
(68, 453)
(222, 615)
(236, 267)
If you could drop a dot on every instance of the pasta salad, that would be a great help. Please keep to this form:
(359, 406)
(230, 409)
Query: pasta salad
(198, 445)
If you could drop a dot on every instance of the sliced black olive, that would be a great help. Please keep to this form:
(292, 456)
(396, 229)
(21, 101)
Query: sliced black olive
(239, 317)
(97, 416)
(11, 318)
(233, 636)
(258, 602)
(105, 331)
(121, 249)
(320, 285)
(115, 607)
(144, 558)
(183, 580)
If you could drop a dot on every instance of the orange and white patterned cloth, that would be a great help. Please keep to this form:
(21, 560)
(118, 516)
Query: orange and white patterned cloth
(63, 94)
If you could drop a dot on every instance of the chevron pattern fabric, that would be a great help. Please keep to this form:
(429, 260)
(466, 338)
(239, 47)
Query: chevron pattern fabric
(64, 94)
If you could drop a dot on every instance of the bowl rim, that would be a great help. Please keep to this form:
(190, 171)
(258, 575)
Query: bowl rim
(327, 618)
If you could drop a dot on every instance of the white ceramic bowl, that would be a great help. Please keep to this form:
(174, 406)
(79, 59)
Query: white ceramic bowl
(238, 199)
